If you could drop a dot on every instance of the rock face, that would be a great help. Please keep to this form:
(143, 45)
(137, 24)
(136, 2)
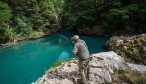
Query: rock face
(96, 30)
(7, 44)
(133, 47)
(102, 66)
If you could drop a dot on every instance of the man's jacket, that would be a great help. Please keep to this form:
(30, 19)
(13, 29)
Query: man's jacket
(81, 50)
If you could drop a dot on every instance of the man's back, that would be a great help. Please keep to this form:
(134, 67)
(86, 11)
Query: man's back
(82, 48)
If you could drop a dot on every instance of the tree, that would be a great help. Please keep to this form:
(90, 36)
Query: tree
(52, 9)
(115, 16)
(5, 18)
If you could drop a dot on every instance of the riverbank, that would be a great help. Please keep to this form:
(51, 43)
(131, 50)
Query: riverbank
(34, 35)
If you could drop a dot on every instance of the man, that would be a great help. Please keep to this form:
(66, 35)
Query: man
(81, 50)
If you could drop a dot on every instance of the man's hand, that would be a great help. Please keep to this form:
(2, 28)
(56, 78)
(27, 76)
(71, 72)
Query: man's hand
(75, 53)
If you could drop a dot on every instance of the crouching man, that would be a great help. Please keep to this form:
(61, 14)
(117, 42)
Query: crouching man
(81, 51)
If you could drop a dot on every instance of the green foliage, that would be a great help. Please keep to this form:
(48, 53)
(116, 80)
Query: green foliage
(5, 16)
(24, 17)
(120, 18)
(79, 12)
(5, 12)
(23, 27)
(116, 16)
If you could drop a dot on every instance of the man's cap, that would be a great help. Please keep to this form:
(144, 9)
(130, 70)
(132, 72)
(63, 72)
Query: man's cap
(75, 37)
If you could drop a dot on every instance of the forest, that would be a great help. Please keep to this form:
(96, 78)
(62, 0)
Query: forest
(24, 19)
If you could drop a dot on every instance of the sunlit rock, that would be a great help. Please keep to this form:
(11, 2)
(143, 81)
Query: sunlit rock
(103, 67)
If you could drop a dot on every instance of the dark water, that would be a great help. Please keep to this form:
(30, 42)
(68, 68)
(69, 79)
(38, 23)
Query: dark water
(28, 60)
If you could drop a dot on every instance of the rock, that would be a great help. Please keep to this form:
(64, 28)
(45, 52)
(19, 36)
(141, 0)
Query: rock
(55, 81)
(101, 67)
(95, 30)
(98, 73)
(136, 67)
(131, 48)
(9, 44)
(112, 60)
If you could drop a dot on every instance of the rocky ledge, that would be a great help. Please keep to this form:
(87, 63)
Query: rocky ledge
(130, 47)
(105, 67)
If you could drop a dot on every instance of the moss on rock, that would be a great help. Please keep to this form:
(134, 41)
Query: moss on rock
(132, 77)
(129, 47)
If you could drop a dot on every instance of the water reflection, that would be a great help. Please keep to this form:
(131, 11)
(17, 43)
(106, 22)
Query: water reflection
(62, 41)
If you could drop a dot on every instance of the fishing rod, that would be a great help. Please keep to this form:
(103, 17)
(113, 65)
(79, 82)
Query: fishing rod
(109, 3)
(99, 8)
(65, 39)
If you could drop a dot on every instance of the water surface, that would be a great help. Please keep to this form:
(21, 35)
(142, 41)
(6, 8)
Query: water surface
(28, 60)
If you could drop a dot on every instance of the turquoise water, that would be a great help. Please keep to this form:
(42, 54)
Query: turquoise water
(28, 60)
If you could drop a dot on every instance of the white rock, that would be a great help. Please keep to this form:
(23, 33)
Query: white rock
(136, 67)
(112, 60)
(101, 66)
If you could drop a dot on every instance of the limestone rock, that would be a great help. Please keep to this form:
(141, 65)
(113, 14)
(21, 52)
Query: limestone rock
(136, 67)
(101, 67)
(112, 60)
(132, 48)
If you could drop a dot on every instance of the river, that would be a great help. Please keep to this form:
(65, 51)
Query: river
(28, 60)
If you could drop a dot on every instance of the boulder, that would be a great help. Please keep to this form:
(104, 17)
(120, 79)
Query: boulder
(101, 67)
(132, 48)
